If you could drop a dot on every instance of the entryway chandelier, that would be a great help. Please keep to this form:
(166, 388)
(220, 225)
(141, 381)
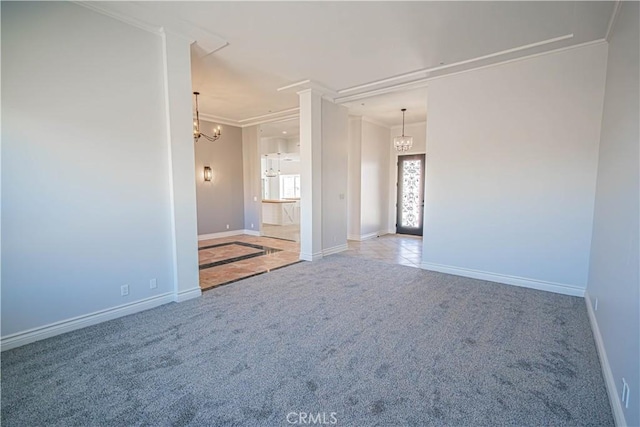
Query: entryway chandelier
(403, 143)
(196, 126)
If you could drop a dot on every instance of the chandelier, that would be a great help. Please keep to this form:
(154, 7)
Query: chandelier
(269, 173)
(196, 126)
(403, 143)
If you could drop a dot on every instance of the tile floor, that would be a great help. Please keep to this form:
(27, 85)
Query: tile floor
(230, 259)
(233, 258)
(392, 248)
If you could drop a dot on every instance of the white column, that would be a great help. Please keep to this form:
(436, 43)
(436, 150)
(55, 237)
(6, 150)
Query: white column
(178, 100)
(310, 175)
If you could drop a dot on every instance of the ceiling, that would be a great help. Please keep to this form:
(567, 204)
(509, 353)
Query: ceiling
(280, 129)
(340, 46)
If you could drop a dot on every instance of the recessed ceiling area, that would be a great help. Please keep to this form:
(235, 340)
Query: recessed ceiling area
(353, 48)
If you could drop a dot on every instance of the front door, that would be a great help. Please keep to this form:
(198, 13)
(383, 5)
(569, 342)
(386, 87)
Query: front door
(410, 203)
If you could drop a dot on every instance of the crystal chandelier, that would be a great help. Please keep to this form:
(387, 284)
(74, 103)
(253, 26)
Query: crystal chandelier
(196, 126)
(403, 143)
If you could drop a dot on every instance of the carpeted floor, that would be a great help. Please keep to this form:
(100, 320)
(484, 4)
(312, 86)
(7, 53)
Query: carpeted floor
(361, 342)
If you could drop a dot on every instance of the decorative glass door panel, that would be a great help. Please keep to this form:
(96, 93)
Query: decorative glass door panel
(410, 202)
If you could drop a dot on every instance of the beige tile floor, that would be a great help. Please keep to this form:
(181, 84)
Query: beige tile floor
(226, 273)
(391, 248)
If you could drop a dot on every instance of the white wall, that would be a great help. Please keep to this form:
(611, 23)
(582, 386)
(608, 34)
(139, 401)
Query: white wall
(85, 165)
(374, 197)
(353, 177)
(335, 124)
(419, 133)
(251, 178)
(368, 178)
(511, 170)
(613, 275)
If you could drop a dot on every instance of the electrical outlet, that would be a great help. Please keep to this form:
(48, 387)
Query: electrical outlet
(251, 225)
(255, 198)
(227, 226)
(124, 290)
(153, 283)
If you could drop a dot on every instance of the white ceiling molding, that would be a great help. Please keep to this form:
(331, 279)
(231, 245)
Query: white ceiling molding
(270, 115)
(150, 19)
(521, 58)
(422, 122)
(414, 84)
(104, 9)
(283, 119)
(455, 64)
(219, 120)
(271, 120)
(244, 123)
(305, 85)
(612, 20)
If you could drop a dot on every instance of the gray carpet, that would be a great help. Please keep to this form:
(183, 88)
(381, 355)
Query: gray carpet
(374, 343)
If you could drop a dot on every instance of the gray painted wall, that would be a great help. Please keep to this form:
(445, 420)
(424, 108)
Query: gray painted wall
(220, 201)
(613, 273)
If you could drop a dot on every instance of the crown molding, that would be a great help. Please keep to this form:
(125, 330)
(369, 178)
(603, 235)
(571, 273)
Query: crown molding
(153, 21)
(104, 8)
(269, 115)
(309, 85)
(414, 84)
(421, 122)
(219, 120)
(424, 82)
(272, 120)
(523, 58)
(612, 20)
(454, 64)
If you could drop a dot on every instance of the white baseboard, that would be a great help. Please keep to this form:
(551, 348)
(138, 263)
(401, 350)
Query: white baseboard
(310, 257)
(21, 338)
(558, 288)
(187, 294)
(221, 234)
(252, 232)
(363, 237)
(610, 383)
(334, 250)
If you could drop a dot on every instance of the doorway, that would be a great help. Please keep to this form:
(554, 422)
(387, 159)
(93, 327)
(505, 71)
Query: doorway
(280, 175)
(410, 201)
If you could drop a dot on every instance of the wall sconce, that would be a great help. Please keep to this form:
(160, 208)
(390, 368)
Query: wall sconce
(208, 173)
